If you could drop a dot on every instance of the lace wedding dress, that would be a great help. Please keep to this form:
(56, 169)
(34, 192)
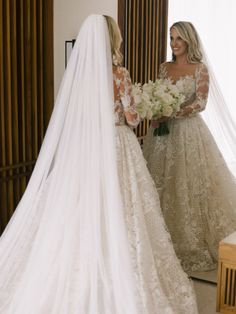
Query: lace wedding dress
(197, 191)
(158, 271)
(88, 236)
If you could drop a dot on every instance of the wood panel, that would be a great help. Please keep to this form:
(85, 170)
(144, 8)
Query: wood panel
(26, 93)
(143, 25)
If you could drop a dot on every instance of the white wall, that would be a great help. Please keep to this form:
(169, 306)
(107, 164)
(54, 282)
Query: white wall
(68, 17)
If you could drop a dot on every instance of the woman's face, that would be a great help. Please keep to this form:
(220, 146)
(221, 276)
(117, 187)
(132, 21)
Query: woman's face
(177, 44)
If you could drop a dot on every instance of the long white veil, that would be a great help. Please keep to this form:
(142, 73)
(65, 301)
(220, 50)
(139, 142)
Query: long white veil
(66, 250)
(218, 117)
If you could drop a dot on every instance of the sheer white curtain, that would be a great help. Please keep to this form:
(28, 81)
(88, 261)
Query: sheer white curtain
(215, 23)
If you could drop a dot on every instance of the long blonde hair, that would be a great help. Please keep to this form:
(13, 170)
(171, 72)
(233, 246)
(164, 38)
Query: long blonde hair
(188, 33)
(115, 40)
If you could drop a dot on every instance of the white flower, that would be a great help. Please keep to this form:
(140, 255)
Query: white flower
(141, 110)
(167, 99)
(159, 98)
(167, 111)
(147, 88)
(137, 99)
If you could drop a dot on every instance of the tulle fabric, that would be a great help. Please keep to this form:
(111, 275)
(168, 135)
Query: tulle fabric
(66, 250)
(218, 117)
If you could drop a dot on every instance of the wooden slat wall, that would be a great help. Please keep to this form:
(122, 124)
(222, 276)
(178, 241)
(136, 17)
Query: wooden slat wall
(143, 25)
(26, 93)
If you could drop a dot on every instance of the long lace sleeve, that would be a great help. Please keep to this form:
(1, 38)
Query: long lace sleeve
(131, 115)
(198, 103)
(162, 71)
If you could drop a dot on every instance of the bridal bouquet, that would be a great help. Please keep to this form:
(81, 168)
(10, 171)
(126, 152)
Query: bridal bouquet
(158, 99)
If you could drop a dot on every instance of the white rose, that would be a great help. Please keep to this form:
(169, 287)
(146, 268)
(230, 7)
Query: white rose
(137, 99)
(147, 88)
(145, 97)
(167, 111)
(141, 110)
(167, 99)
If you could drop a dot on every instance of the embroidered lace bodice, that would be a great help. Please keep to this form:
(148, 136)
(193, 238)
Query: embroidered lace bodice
(124, 106)
(194, 87)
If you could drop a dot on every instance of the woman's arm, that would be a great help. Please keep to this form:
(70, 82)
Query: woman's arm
(202, 89)
(131, 115)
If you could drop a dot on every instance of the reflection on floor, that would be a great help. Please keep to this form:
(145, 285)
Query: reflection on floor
(206, 296)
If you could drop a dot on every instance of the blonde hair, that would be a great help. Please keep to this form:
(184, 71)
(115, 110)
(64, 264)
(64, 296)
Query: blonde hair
(115, 40)
(188, 33)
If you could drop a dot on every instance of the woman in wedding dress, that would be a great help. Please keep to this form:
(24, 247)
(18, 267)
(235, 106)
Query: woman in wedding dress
(196, 189)
(88, 236)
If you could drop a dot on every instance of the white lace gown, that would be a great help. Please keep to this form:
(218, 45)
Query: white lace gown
(160, 277)
(197, 191)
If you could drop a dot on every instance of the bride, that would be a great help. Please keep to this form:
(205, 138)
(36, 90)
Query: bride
(88, 236)
(197, 191)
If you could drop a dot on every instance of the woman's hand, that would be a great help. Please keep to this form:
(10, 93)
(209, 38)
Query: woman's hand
(155, 124)
(163, 119)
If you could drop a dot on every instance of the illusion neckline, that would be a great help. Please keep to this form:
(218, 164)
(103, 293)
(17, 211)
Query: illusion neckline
(188, 76)
(175, 81)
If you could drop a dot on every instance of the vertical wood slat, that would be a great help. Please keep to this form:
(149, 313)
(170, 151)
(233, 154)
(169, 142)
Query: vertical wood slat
(14, 93)
(3, 187)
(156, 62)
(8, 99)
(33, 27)
(28, 78)
(144, 36)
(162, 30)
(141, 46)
(154, 18)
(26, 93)
(122, 7)
(149, 37)
(40, 70)
(234, 288)
(137, 15)
(128, 26)
(48, 61)
(146, 25)
(22, 89)
(132, 60)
